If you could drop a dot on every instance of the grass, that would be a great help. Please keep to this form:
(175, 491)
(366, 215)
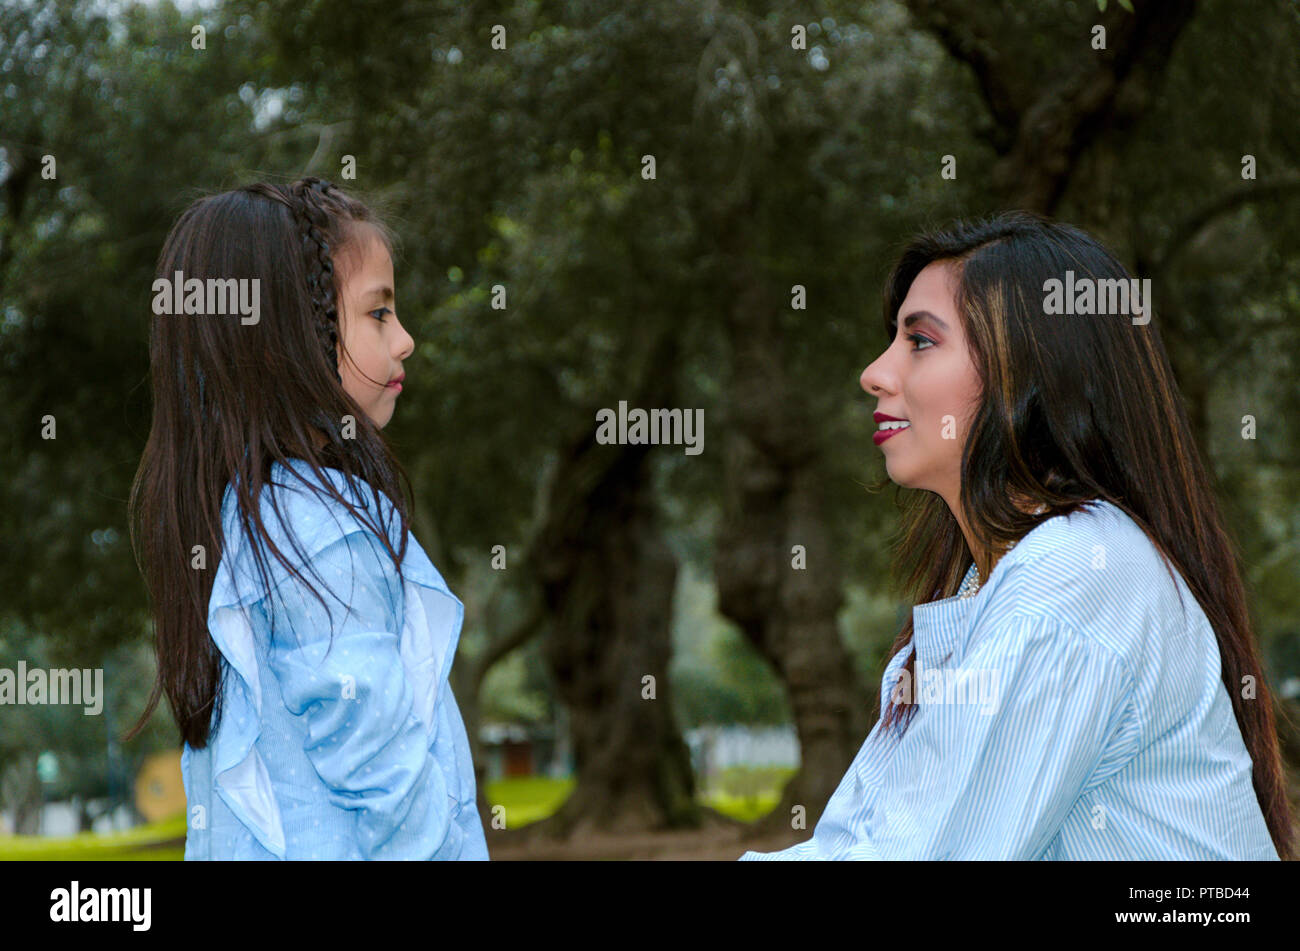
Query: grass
(745, 794)
(526, 798)
(156, 841)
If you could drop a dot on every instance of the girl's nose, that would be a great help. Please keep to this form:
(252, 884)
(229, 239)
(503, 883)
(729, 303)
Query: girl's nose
(408, 345)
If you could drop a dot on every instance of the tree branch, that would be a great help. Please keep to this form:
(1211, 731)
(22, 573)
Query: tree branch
(1042, 128)
(1191, 227)
(520, 634)
(966, 42)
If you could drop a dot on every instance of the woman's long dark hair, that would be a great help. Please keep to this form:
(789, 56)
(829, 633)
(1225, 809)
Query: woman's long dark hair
(231, 398)
(1074, 408)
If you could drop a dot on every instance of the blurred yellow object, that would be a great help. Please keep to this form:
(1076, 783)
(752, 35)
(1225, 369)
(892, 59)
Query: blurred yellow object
(159, 789)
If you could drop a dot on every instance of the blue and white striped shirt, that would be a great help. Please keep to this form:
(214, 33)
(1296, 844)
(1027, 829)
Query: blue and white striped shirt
(1071, 709)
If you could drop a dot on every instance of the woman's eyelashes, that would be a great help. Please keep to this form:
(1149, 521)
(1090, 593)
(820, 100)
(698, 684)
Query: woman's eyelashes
(917, 339)
(378, 314)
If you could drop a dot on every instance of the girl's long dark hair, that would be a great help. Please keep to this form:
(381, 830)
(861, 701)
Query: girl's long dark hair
(1074, 408)
(232, 398)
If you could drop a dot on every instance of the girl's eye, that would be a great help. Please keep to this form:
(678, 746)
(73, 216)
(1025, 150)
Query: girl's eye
(918, 339)
(379, 314)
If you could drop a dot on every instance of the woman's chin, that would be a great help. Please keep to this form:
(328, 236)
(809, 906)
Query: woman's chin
(898, 476)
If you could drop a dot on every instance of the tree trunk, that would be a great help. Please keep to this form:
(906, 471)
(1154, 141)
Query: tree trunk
(607, 576)
(20, 791)
(772, 503)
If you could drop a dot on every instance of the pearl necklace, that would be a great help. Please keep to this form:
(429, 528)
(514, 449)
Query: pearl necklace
(970, 585)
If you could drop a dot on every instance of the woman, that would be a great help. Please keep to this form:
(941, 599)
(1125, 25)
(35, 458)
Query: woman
(1082, 681)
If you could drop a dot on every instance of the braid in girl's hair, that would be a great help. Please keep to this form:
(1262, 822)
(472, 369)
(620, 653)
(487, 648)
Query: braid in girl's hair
(309, 197)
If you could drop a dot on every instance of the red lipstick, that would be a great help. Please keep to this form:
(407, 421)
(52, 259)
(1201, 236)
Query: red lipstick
(889, 429)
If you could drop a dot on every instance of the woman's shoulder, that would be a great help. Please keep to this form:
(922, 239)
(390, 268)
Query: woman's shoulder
(1093, 537)
(1097, 572)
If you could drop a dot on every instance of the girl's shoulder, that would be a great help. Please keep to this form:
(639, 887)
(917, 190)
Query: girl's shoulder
(308, 494)
(301, 518)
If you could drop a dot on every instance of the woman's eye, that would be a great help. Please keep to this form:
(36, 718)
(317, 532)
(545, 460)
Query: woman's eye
(918, 339)
(379, 314)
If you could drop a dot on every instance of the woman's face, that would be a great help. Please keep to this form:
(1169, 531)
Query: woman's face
(926, 377)
(374, 343)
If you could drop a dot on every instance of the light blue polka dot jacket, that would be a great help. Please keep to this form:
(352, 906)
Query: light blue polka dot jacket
(340, 737)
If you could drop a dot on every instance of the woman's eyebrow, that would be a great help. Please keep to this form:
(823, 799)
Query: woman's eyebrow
(382, 291)
(923, 315)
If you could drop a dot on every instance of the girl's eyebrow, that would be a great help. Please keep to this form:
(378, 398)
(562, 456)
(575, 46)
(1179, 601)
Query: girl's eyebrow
(382, 291)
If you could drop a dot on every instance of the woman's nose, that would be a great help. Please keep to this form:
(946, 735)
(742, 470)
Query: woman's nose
(870, 380)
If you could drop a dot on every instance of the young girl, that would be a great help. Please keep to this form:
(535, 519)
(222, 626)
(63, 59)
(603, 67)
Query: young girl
(1082, 681)
(303, 646)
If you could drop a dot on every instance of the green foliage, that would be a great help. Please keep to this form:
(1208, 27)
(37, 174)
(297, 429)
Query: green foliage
(717, 677)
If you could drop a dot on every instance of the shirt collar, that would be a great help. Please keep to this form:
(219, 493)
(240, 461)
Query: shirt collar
(939, 627)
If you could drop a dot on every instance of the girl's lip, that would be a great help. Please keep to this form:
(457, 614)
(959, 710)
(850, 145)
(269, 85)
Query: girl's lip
(886, 418)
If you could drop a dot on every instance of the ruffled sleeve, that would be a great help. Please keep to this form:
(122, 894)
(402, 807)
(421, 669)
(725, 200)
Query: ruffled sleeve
(366, 669)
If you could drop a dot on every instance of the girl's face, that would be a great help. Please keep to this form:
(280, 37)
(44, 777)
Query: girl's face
(927, 378)
(374, 343)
